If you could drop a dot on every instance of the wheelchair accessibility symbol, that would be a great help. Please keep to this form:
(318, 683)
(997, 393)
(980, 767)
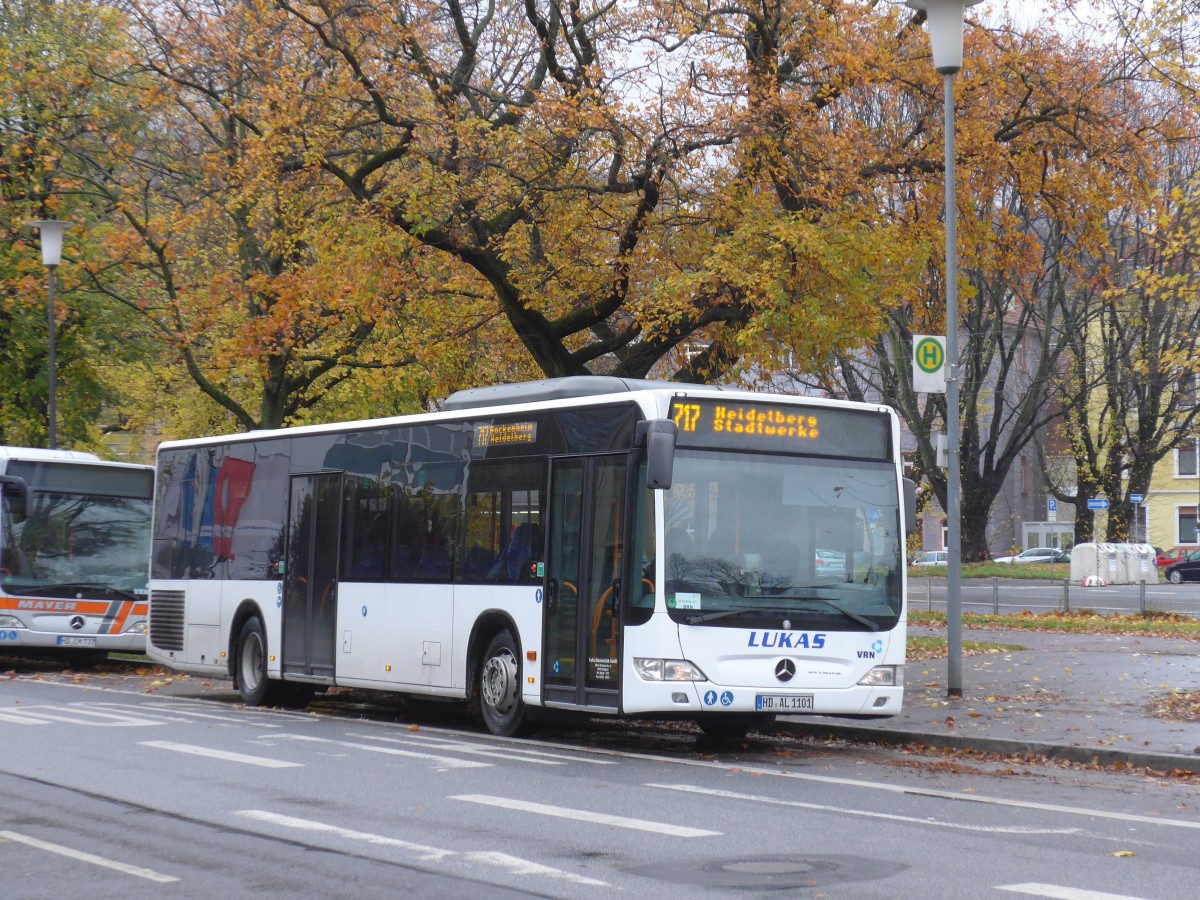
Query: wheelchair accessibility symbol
(727, 698)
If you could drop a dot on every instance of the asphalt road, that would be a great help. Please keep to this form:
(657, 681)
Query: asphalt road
(135, 784)
(1011, 595)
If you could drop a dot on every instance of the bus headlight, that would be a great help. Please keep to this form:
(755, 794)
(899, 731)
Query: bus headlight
(883, 676)
(138, 627)
(667, 670)
(11, 622)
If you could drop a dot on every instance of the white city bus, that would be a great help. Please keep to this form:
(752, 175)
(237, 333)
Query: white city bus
(74, 541)
(592, 544)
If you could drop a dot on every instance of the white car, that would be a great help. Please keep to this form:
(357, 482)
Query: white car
(932, 558)
(1034, 555)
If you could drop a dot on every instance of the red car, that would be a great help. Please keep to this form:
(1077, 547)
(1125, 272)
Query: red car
(1174, 555)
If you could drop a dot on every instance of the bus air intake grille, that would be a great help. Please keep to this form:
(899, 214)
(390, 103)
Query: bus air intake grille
(166, 619)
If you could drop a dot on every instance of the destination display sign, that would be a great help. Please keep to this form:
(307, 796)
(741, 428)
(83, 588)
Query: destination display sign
(746, 425)
(503, 434)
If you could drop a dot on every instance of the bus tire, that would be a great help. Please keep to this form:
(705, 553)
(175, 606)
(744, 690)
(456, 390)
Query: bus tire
(500, 701)
(253, 683)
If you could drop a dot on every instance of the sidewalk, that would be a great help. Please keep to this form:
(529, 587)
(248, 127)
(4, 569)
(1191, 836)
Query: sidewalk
(1084, 698)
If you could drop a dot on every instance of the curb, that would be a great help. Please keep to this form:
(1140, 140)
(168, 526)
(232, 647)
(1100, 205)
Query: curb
(1102, 756)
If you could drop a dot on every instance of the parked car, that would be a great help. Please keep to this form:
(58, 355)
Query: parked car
(830, 562)
(1036, 555)
(932, 558)
(1174, 555)
(1186, 569)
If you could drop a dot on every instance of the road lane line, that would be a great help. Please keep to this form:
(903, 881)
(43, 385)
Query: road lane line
(583, 815)
(1058, 892)
(510, 750)
(460, 747)
(446, 762)
(511, 864)
(92, 858)
(841, 810)
(79, 716)
(17, 719)
(222, 754)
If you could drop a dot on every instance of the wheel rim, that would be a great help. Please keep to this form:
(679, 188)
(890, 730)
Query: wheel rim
(252, 660)
(500, 682)
(1176, 578)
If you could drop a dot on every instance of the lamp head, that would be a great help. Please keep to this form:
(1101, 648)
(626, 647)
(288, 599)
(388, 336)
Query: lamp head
(945, 19)
(52, 240)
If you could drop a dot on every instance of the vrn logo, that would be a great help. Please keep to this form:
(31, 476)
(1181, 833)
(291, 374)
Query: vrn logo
(876, 649)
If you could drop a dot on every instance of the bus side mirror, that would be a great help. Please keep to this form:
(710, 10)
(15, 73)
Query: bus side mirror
(21, 497)
(910, 506)
(660, 452)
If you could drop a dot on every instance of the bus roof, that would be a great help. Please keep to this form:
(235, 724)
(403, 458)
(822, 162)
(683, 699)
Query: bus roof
(587, 389)
(38, 454)
(559, 389)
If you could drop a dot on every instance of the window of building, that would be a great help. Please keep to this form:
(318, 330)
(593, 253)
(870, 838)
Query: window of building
(1187, 525)
(1185, 459)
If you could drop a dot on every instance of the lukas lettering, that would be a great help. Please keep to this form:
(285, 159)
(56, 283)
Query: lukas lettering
(786, 640)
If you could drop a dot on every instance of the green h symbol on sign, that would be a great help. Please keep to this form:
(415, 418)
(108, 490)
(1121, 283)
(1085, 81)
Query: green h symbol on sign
(930, 355)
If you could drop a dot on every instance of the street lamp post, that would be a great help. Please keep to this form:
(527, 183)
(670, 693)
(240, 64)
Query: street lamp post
(52, 241)
(945, 19)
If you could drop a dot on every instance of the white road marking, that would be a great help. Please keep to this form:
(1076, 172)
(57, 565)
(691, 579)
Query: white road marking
(512, 864)
(510, 751)
(80, 855)
(17, 719)
(446, 762)
(841, 810)
(583, 815)
(756, 771)
(222, 754)
(1060, 893)
(81, 715)
(460, 747)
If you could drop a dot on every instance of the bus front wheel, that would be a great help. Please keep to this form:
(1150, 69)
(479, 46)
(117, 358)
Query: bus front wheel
(500, 688)
(253, 684)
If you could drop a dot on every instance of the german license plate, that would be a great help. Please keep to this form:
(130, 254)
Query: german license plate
(76, 642)
(783, 702)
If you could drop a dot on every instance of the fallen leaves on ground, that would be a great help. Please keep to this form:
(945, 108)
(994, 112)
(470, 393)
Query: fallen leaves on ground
(1181, 706)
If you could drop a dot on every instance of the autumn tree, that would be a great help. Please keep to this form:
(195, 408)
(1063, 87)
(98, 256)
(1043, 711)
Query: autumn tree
(599, 168)
(280, 301)
(1043, 141)
(1128, 396)
(49, 56)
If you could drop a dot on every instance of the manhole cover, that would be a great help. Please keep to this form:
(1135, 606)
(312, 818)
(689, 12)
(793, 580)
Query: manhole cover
(774, 872)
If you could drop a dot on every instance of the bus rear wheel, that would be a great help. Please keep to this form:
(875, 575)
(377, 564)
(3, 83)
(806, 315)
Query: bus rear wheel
(500, 700)
(252, 680)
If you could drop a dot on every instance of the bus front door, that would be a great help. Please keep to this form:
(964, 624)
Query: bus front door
(310, 575)
(582, 589)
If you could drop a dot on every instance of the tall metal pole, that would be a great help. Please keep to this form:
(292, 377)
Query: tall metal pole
(954, 678)
(52, 240)
(51, 414)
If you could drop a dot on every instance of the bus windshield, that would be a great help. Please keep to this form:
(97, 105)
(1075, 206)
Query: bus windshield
(758, 540)
(88, 545)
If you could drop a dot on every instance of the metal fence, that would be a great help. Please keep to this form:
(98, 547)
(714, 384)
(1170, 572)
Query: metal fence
(1005, 596)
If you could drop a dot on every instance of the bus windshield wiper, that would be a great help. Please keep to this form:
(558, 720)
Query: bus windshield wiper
(740, 611)
(862, 620)
(52, 590)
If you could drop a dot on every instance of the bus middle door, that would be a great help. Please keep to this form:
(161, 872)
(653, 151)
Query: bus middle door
(310, 576)
(581, 661)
